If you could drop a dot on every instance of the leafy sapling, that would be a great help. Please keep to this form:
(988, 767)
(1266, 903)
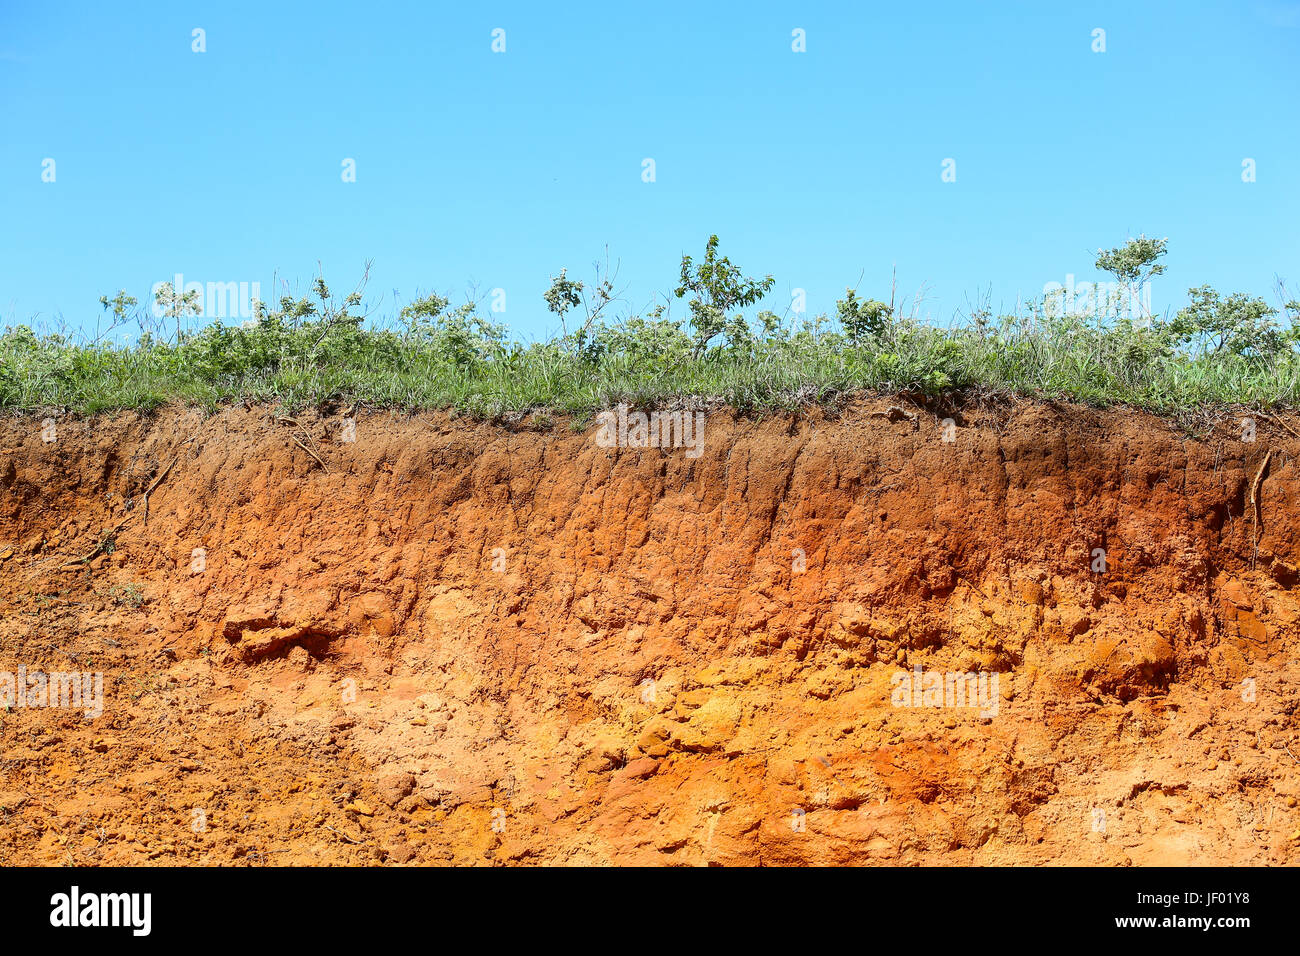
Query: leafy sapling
(566, 294)
(177, 305)
(1133, 264)
(717, 287)
(119, 306)
(862, 320)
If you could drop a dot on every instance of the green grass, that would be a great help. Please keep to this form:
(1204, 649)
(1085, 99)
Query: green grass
(458, 361)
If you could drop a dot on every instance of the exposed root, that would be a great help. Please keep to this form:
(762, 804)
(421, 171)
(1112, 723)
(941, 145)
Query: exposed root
(1254, 504)
(105, 540)
(319, 460)
(163, 474)
(1278, 421)
(896, 413)
(109, 536)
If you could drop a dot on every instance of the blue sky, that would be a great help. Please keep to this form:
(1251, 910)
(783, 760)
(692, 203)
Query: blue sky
(487, 170)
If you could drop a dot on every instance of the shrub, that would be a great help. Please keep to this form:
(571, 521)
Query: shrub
(717, 287)
(1238, 325)
(862, 320)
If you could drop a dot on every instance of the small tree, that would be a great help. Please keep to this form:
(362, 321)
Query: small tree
(718, 288)
(177, 305)
(1133, 264)
(336, 315)
(565, 294)
(119, 306)
(862, 319)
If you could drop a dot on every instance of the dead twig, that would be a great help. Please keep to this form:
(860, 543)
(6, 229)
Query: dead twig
(343, 835)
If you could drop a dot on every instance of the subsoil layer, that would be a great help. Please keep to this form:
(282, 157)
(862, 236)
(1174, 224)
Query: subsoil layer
(414, 639)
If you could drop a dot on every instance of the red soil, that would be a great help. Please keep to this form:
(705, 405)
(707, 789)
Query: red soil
(670, 660)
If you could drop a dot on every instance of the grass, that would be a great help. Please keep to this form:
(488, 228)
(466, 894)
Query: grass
(457, 360)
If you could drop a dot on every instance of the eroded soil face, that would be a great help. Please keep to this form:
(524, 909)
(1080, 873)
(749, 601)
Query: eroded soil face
(465, 644)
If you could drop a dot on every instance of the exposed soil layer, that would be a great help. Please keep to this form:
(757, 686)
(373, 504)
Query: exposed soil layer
(449, 641)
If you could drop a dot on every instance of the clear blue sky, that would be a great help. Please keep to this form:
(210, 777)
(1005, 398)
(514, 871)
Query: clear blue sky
(497, 169)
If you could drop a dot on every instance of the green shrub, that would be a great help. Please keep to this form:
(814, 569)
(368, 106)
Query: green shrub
(716, 288)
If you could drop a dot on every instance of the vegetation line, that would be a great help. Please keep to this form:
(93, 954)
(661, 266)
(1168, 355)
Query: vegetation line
(1104, 350)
